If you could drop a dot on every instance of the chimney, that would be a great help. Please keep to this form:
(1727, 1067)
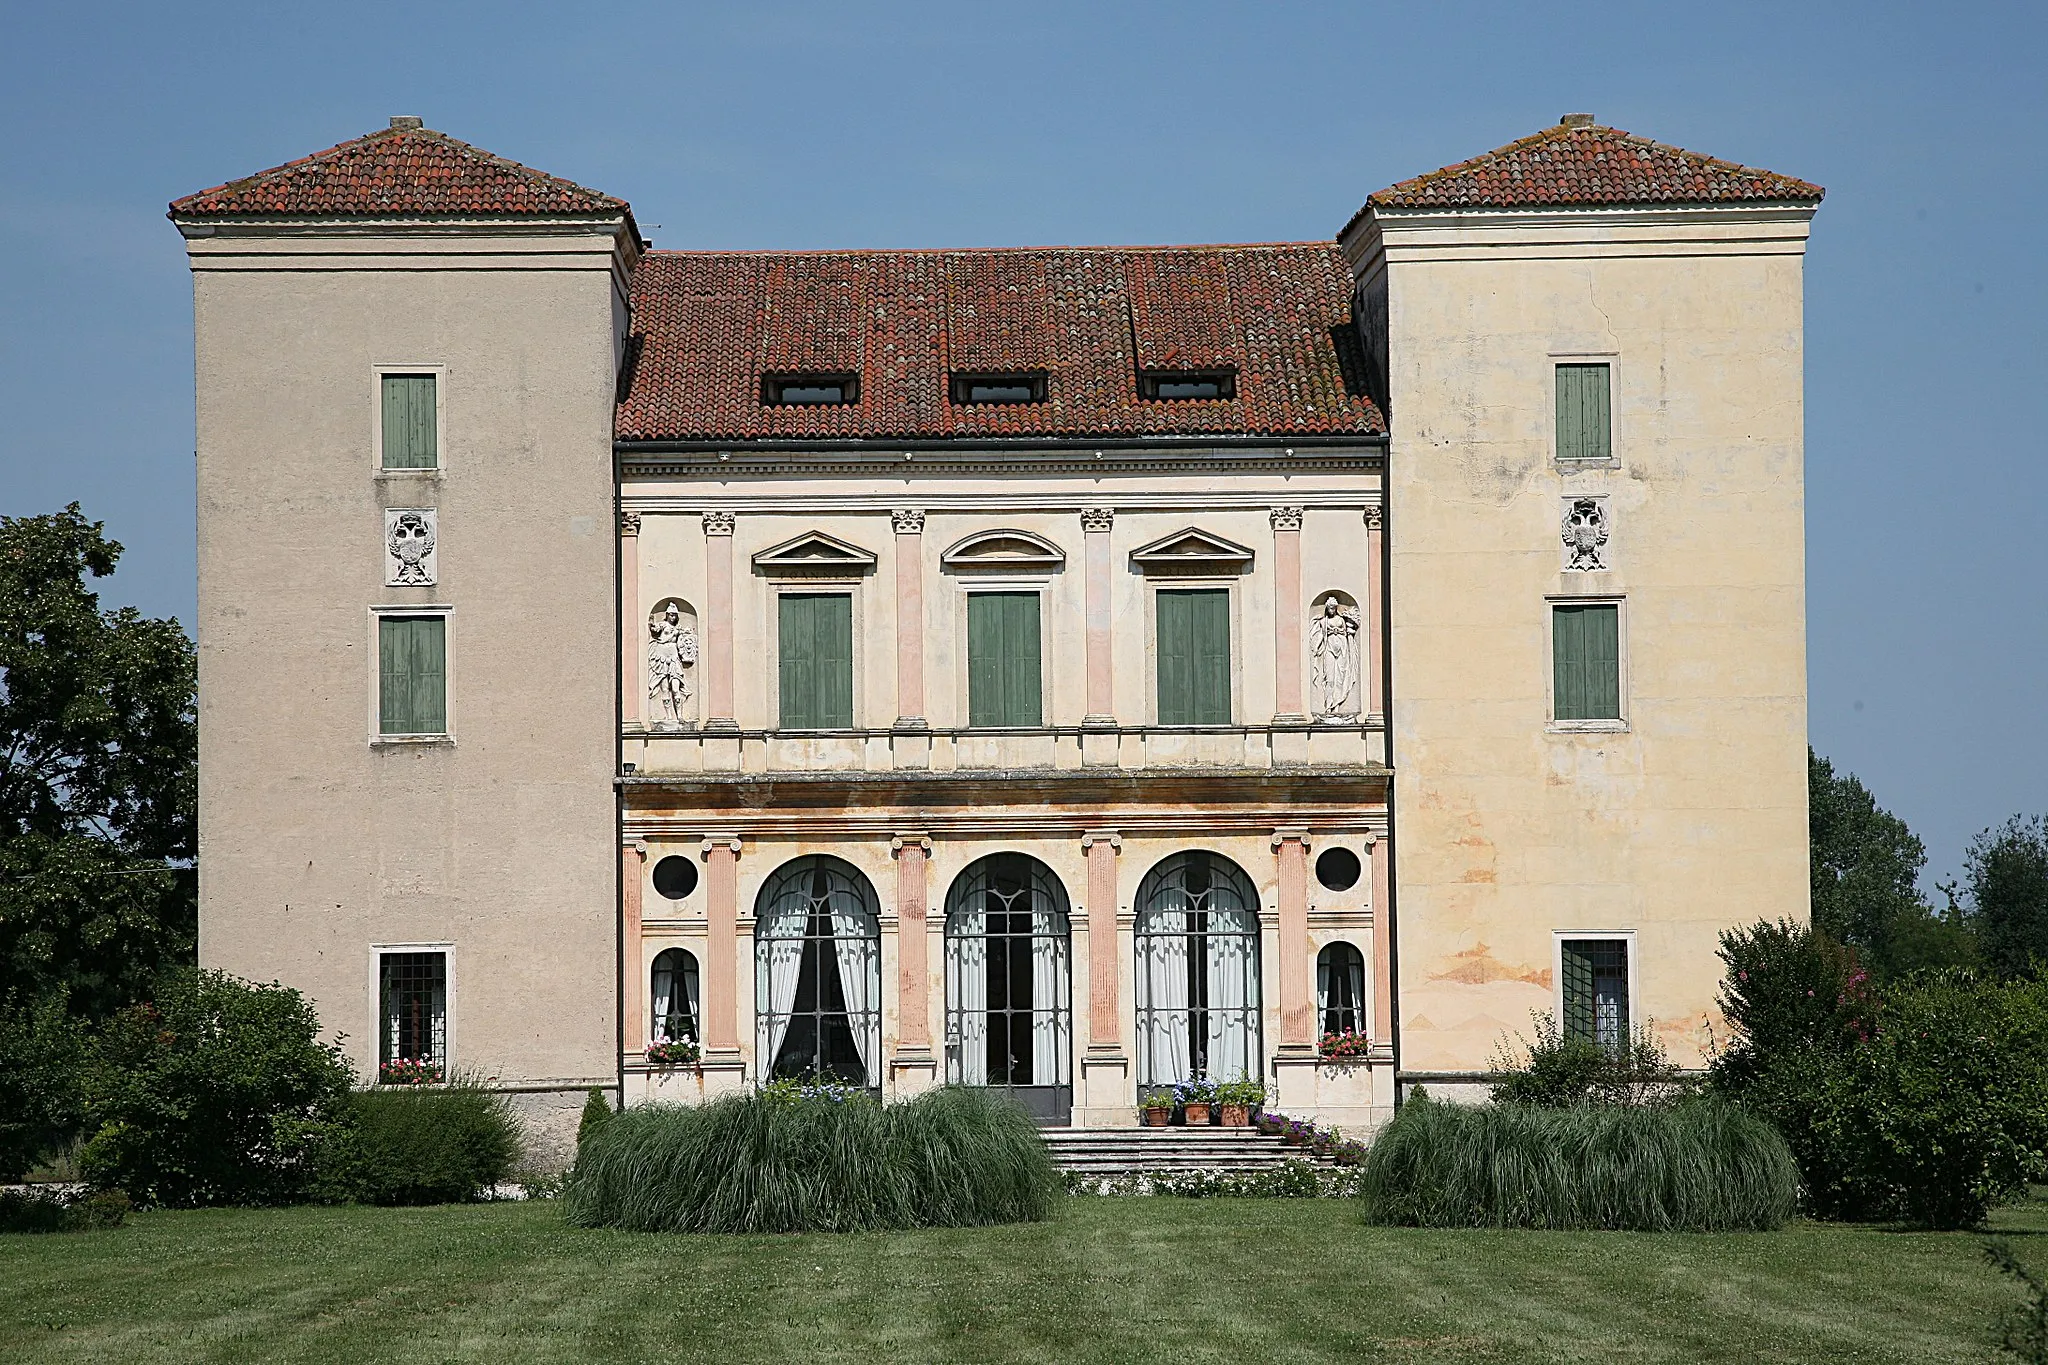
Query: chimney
(409, 121)
(1568, 121)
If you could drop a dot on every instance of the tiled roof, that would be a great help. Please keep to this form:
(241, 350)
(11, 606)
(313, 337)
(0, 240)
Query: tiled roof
(1579, 164)
(403, 172)
(708, 325)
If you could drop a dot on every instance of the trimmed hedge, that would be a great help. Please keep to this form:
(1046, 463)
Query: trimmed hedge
(1693, 1167)
(776, 1162)
(439, 1145)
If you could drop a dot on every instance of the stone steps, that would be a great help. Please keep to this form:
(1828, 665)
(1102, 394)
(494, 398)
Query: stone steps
(1121, 1151)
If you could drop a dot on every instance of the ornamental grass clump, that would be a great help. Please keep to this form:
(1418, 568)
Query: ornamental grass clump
(1698, 1166)
(814, 1159)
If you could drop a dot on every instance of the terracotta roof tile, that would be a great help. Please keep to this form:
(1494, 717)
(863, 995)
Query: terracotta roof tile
(1581, 164)
(400, 172)
(708, 325)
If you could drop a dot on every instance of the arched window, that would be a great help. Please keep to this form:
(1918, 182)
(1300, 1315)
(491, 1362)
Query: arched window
(1340, 988)
(1009, 1004)
(818, 973)
(1197, 971)
(673, 1016)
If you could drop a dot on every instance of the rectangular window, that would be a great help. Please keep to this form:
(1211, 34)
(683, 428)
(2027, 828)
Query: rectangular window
(810, 390)
(1596, 990)
(411, 428)
(412, 993)
(1193, 644)
(1584, 425)
(412, 675)
(998, 388)
(1187, 384)
(1003, 674)
(815, 660)
(1585, 652)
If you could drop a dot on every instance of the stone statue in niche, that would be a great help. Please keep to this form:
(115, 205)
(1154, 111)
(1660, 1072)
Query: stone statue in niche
(1333, 656)
(1584, 534)
(409, 546)
(671, 651)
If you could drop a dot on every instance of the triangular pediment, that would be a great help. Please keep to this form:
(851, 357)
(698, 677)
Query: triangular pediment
(814, 552)
(1192, 551)
(1005, 551)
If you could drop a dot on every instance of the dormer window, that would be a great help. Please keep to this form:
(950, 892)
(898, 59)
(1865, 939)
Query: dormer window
(809, 390)
(1187, 383)
(999, 388)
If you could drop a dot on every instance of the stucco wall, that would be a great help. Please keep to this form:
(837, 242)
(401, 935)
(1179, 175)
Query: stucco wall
(319, 843)
(1693, 817)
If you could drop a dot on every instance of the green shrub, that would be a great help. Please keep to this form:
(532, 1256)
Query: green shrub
(2025, 1334)
(42, 1053)
(440, 1145)
(1554, 1071)
(217, 1092)
(1693, 1167)
(40, 1211)
(596, 1110)
(1788, 989)
(784, 1163)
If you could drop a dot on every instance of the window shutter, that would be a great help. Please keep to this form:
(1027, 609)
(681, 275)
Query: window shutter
(1583, 416)
(1212, 657)
(835, 662)
(1003, 672)
(1174, 648)
(985, 672)
(797, 654)
(815, 661)
(1586, 661)
(412, 675)
(409, 422)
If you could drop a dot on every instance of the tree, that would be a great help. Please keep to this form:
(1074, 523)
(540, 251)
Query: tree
(2006, 870)
(98, 777)
(1866, 869)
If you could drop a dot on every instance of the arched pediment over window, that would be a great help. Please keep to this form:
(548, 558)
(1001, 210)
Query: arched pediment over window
(1003, 552)
(816, 553)
(1192, 553)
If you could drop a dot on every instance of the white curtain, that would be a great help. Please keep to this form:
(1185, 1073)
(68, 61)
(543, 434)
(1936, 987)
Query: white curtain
(1324, 980)
(664, 996)
(1048, 1020)
(970, 996)
(1165, 1036)
(1229, 971)
(783, 931)
(859, 980)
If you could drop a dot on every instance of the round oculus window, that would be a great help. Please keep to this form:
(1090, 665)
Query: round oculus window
(1337, 869)
(675, 877)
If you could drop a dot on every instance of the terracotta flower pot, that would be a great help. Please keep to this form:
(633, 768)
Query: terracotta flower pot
(1237, 1116)
(1156, 1118)
(1198, 1115)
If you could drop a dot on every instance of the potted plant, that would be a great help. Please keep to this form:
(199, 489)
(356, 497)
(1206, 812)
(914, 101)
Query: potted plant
(409, 1071)
(672, 1052)
(1157, 1106)
(1272, 1125)
(1237, 1099)
(1195, 1098)
(1297, 1133)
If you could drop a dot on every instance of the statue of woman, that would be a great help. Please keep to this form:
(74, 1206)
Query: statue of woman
(673, 649)
(1333, 652)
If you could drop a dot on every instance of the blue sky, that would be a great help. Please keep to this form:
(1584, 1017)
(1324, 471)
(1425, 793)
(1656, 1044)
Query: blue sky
(816, 125)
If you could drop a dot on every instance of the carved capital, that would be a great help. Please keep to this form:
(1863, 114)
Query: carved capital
(921, 842)
(718, 523)
(713, 842)
(1375, 517)
(1097, 518)
(908, 521)
(1297, 835)
(1285, 518)
(1090, 838)
(629, 523)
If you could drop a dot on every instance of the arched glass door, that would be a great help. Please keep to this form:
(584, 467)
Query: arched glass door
(1197, 947)
(818, 973)
(1009, 989)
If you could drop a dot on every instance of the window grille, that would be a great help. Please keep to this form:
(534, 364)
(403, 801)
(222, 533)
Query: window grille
(1197, 942)
(1340, 988)
(1596, 991)
(818, 973)
(673, 1018)
(414, 993)
(1009, 1005)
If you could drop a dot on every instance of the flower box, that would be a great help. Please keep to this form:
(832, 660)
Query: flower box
(409, 1071)
(673, 1052)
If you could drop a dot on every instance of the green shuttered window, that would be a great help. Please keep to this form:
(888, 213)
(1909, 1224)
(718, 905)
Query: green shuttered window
(1193, 641)
(1002, 659)
(815, 653)
(412, 675)
(1596, 990)
(1585, 651)
(409, 428)
(1584, 425)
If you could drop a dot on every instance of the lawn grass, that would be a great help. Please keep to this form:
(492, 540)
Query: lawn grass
(1153, 1280)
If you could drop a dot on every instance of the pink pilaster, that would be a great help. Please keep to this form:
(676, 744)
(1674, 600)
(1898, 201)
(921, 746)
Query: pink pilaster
(632, 985)
(909, 619)
(632, 629)
(718, 622)
(1287, 609)
(1382, 851)
(1105, 1002)
(721, 947)
(1297, 1003)
(1375, 612)
(1095, 524)
(913, 982)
